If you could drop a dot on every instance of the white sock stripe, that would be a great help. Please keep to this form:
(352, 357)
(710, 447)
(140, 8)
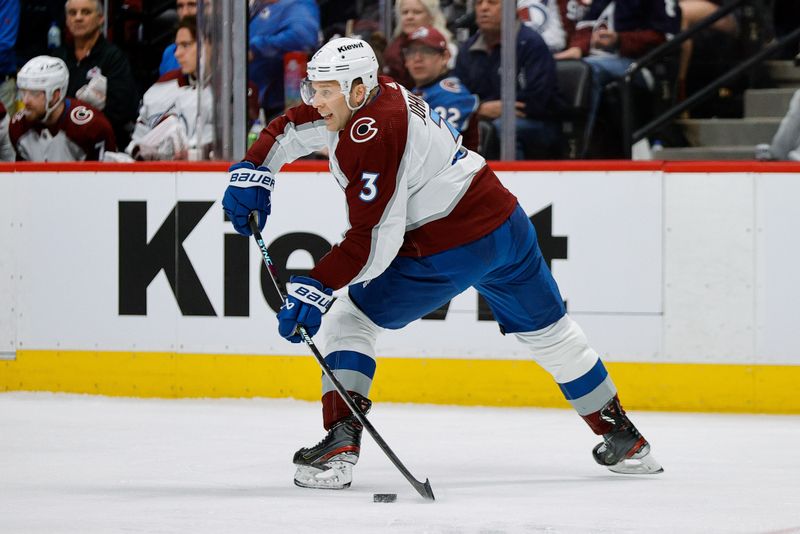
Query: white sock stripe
(561, 349)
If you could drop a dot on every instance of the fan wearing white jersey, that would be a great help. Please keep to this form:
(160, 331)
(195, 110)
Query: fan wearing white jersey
(52, 127)
(428, 219)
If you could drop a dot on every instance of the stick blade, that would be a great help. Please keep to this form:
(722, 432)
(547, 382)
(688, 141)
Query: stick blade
(426, 491)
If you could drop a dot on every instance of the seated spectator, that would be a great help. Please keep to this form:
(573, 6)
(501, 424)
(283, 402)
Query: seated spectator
(99, 73)
(538, 128)
(785, 144)
(9, 25)
(168, 121)
(427, 57)
(411, 15)
(184, 8)
(277, 27)
(692, 12)
(6, 148)
(613, 34)
(545, 17)
(54, 128)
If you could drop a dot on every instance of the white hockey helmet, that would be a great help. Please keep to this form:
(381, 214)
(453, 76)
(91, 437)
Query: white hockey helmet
(342, 60)
(45, 73)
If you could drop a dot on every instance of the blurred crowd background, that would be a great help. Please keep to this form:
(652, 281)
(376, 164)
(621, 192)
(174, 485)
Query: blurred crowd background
(132, 80)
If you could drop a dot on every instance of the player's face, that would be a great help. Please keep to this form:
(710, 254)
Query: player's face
(186, 51)
(413, 15)
(186, 8)
(35, 104)
(83, 18)
(329, 101)
(488, 15)
(425, 64)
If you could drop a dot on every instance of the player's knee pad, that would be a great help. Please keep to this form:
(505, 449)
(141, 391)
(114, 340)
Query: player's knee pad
(561, 349)
(346, 328)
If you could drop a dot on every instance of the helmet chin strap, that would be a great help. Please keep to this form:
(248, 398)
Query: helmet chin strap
(50, 109)
(351, 108)
(367, 98)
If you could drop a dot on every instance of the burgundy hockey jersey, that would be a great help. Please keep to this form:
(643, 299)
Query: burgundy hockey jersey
(411, 188)
(82, 133)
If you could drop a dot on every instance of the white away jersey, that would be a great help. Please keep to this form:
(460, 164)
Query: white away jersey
(175, 94)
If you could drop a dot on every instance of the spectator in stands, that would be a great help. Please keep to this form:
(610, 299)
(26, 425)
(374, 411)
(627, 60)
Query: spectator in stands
(99, 73)
(277, 27)
(9, 25)
(545, 17)
(411, 15)
(538, 105)
(6, 148)
(785, 144)
(613, 34)
(426, 58)
(692, 12)
(169, 122)
(184, 8)
(52, 127)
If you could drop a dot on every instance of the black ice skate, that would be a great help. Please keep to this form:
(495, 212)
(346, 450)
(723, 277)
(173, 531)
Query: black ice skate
(624, 449)
(329, 463)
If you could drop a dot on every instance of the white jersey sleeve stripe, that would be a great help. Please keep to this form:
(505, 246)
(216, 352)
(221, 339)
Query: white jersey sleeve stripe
(295, 141)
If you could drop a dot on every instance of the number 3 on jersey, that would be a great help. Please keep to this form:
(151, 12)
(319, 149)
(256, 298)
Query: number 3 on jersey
(370, 190)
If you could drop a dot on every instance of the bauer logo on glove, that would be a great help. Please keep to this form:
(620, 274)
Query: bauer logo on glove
(306, 300)
(249, 190)
(254, 177)
(310, 295)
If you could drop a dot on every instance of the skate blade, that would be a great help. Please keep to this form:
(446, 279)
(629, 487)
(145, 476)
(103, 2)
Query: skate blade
(333, 475)
(645, 464)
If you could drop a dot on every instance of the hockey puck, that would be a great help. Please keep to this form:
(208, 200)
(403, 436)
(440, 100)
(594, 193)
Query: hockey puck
(384, 497)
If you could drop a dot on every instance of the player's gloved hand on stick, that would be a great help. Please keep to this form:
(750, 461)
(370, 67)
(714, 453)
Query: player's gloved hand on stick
(306, 300)
(249, 189)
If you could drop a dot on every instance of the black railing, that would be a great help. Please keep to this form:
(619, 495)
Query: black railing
(631, 136)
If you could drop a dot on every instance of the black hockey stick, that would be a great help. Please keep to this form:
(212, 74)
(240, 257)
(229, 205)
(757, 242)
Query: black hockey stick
(423, 489)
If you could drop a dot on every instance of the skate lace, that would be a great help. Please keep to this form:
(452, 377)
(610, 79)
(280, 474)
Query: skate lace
(329, 436)
(323, 441)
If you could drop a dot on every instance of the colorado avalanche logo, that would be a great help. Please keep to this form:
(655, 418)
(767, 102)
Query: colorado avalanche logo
(363, 130)
(533, 13)
(81, 115)
(450, 84)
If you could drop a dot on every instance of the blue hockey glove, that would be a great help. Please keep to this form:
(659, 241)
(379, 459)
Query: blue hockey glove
(306, 300)
(249, 189)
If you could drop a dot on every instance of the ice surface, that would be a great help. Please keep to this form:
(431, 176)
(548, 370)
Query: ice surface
(85, 464)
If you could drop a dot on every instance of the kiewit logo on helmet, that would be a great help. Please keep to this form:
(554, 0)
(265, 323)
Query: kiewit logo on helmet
(345, 48)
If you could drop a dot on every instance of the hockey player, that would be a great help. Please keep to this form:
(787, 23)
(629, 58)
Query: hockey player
(428, 219)
(426, 58)
(52, 127)
(172, 118)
